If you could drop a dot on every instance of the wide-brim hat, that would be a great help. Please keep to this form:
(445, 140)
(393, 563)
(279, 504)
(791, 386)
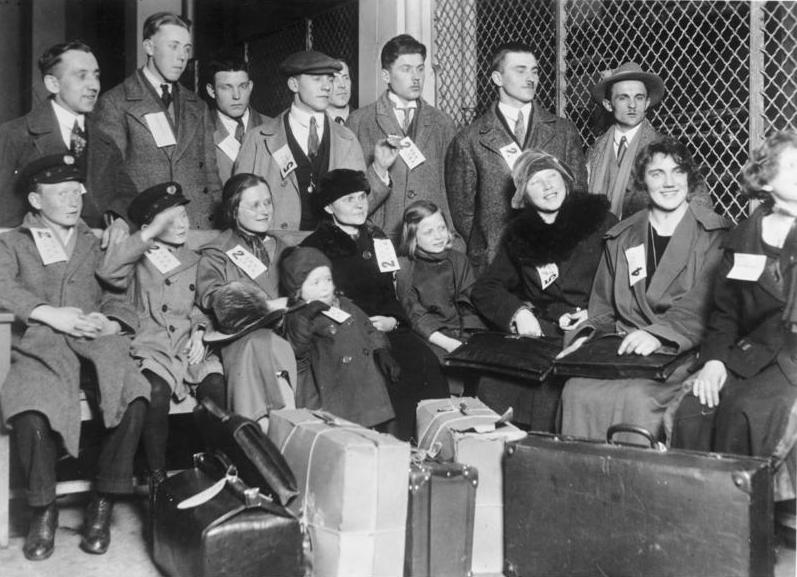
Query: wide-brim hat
(629, 71)
(146, 206)
(309, 62)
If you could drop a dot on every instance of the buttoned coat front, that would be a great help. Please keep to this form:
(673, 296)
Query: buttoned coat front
(434, 131)
(479, 181)
(220, 133)
(122, 112)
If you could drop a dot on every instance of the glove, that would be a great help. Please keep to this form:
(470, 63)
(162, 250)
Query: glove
(388, 365)
(299, 327)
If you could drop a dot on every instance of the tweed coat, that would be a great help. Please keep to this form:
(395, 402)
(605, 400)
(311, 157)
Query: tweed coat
(122, 111)
(166, 309)
(257, 157)
(434, 131)
(45, 364)
(479, 182)
(224, 162)
(108, 186)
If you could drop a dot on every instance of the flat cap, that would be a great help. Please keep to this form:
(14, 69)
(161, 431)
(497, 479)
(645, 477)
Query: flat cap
(309, 62)
(50, 169)
(155, 199)
(338, 183)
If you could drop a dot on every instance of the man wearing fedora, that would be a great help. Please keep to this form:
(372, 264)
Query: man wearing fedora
(294, 150)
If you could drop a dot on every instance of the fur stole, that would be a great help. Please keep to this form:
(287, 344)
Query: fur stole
(336, 243)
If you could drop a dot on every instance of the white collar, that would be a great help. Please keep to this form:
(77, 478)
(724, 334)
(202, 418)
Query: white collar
(511, 113)
(230, 123)
(66, 118)
(155, 82)
(302, 117)
(398, 103)
(629, 134)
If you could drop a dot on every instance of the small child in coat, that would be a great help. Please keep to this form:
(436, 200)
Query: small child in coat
(158, 271)
(435, 280)
(342, 360)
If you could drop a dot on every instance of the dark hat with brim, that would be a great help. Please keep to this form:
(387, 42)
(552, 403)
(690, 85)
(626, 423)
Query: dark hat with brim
(309, 62)
(629, 71)
(530, 162)
(338, 183)
(296, 264)
(50, 169)
(154, 200)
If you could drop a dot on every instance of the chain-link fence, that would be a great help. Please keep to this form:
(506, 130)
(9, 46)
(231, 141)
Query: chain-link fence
(728, 66)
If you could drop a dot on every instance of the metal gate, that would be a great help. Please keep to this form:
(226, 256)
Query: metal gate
(728, 67)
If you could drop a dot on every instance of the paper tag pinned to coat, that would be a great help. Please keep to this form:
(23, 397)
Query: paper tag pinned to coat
(246, 261)
(747, 266)
(230, 146)
(385, 255)
(337, 314)
(50, 249)
(160, 129)
(637, 267)
(410, 153)
(548, 274)
(284, 159)
(162, 259)
(510, 152)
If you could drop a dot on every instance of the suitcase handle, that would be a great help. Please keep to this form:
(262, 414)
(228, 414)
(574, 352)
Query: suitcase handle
(626, 428)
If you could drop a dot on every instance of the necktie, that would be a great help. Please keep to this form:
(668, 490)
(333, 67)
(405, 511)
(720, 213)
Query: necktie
(166, 96)
(239, 129)
(406, 118)
(77, 140)
(621, 148)
(520, 129)
(312, 138)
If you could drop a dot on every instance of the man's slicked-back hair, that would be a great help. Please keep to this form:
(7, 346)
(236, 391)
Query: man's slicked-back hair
(54, 54)
(500, 53)
(153, 23)
(226, 63)
(399, 45)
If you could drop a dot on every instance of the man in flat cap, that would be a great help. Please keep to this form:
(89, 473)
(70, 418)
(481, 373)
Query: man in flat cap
(163, 129)
(66, 320)
(294, 150)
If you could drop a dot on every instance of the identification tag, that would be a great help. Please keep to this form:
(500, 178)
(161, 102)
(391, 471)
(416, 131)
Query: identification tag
(385, 255)
(637, 268)
(747, 266)
(337, 314)
(246, 261)
(510, 152)
(548, 274)
(50, 249)
(410, 153)
(162, 259)
(284, 159)
(160, 129)
(230, 146)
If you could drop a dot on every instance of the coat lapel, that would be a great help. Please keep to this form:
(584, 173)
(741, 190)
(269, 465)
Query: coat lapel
(274, 138)
(385, 118)
(542, 128)
(672, 262)
(493, 135)
(424, 125)
(190, 115)
(43, 126)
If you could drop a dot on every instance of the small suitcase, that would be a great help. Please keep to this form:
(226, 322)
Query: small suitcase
(577, 508)
(442, 500)
(233, 531)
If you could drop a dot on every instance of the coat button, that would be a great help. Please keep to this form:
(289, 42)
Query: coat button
(345, 360)
(205, 190)
(284, 183)
(411, 194)
(333, 331)
(366, 352)
(284, 226)
(171, 328)
(191, 287)
(366, 254)
(164, 308)
(202, 165)
(168, 282)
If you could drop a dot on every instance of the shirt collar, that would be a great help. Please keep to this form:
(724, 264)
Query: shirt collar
(155, 82)
(303, 117)
(629, 134)
(511, 113)
(231, 124)
(66, 118)
(398, 103)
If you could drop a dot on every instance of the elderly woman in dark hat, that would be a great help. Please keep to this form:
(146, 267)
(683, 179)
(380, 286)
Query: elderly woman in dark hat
(238, 285)
(363, 264)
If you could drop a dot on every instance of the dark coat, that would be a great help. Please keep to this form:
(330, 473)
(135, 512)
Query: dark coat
(574, 242)
(45, 364)
(108, 186)
(479, 182)
(191, 162)
(434, 131)
(224, 162)
(338, 372)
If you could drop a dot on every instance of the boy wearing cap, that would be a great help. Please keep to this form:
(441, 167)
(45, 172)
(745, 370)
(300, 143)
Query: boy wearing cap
(64, 320)
(294, 150)
(158, 271)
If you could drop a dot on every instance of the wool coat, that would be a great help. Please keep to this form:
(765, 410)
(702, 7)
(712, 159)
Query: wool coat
(673, 307)
(573, 242)
(122, 113)
(479, 181)
(166, 310)
(108, 186)
(257, 157)
(338, 372)
(432, 131)
(224, 162)
(45, 364)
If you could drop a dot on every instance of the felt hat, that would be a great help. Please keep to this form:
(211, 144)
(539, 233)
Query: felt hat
(529, 163)
(309, 62)
(154, 200)
(337, 183)
(629, 71)
(50, 169)
(297, 263)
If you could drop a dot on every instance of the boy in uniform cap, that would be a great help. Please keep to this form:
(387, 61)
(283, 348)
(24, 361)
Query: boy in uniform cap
(158, 271)
(293, 151)
(65, 319)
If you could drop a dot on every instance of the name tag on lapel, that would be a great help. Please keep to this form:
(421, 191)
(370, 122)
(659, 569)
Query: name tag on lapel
(410, 153)
(385, 255)
(337, 314)
(284, 159)
(246, 261)
(50, 249)
(548, 274)
(747, 266)
(510, 152)
(230, 147)
(637, 266)
(160, 129)
(162, 259)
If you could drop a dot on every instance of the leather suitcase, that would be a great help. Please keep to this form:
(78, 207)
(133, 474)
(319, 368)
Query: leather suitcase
(577, 508)
(442, 500)
(235, 532)
(598, 359)
(505, 354)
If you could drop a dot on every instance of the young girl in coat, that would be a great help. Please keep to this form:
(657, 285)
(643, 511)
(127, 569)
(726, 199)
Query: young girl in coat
(159, 273)
(343, 361)
(435, 280)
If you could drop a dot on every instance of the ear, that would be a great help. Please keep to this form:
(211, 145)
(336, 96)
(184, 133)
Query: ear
(385, 76)
(608, 105)
(52, 84)
(211, 92)
(495, 76)
(328, 209)
(149, 47)
(293, 84)
(35, 200)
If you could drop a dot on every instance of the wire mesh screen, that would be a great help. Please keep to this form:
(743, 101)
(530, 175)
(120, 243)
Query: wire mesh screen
(780, 60)
(335, 33)
(271, 94)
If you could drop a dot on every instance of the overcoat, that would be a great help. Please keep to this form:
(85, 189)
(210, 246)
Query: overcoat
(45, 364)
(479, 181)
(108, 186)
(122, 113)
(257, 157)
(166, 310)
(433, 132)
(224, 162)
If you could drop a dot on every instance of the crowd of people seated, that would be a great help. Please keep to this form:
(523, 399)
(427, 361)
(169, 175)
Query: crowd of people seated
(413, 237)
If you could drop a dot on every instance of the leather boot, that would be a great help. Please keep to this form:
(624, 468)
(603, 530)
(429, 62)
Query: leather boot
(97, 525)
(40, 542)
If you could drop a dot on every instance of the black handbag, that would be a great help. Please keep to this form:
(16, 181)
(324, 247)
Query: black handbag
(505, 354)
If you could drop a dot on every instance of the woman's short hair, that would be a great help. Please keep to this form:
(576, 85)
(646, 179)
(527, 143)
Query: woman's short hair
(762, 166)
(668, 147)
(231, 196)
(413, 215)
